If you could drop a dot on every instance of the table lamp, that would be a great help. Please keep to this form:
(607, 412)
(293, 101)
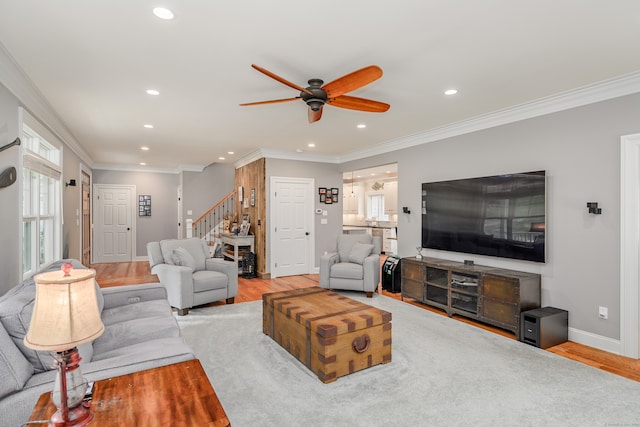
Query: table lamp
(65, 315)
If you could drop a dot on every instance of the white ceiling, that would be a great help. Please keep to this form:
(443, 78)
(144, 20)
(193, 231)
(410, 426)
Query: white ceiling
(93, 62)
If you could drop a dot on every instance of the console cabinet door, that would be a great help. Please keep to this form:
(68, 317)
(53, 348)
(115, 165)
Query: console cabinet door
(501, 299)
(412, 279)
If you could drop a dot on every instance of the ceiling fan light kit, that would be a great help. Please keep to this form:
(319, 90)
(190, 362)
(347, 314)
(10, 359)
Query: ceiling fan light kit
(316, 95)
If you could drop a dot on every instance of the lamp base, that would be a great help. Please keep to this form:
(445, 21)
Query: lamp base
(81, 415)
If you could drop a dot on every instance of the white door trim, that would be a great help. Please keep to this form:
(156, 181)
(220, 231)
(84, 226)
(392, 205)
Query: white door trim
(85, 169)
(309, 182)
(630, 245)
(97, 241)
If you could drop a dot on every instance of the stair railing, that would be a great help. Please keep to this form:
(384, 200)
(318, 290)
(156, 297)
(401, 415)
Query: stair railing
(215, 221)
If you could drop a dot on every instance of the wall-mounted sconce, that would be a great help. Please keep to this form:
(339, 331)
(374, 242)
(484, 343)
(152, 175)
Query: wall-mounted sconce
(71, 183)
(406, 210)
(593, 208)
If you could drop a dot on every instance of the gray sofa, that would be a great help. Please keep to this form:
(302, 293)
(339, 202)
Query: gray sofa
(140, 333)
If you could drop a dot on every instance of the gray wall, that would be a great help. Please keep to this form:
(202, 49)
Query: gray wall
(71, 206)
(202, 190)
(9, 196)
(10, 267)
(163, 189)
(325, 175)
(580, 150)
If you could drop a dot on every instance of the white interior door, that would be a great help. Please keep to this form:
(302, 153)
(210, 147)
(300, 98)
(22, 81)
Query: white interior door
(292, 239)
(114, 223)
(630, 246)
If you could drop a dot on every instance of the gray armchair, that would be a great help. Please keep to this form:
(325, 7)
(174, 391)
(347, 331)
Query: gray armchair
(354, 264)
(190, 276)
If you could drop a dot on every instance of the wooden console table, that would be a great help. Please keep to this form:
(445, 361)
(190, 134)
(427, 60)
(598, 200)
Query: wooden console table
(491, 295)
(235, 246)
(176, 395)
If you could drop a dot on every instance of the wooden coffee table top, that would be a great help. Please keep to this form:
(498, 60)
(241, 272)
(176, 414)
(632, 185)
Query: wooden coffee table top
(176, 395)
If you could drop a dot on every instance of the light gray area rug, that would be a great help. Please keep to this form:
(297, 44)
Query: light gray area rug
(443, 373)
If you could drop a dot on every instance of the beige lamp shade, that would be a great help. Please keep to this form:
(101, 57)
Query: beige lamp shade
(65, 312)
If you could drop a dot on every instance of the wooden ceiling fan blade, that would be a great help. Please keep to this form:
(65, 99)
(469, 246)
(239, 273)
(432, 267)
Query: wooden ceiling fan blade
(273, 101)
(280, 79)
(360, 104)
(314, 116)
(352, 81)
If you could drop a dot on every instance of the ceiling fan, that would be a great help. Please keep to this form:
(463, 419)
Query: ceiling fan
(316, 95)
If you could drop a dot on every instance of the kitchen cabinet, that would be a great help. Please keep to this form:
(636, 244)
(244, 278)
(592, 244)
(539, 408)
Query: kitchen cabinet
(389, 241)
(350, 200)
(391, 197)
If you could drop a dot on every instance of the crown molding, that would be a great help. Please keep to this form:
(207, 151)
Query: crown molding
(283, 155)
(607, 89)
(17, 82)
(126, 168)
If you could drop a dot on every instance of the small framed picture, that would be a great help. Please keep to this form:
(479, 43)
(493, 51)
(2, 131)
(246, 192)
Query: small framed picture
(328, 200)
(335, 198)
(334, 191)
(322, 190)
(253, 197)
(144, 205)
(323, 198)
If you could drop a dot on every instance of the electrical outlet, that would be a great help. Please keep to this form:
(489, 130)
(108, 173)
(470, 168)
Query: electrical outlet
(603, 312)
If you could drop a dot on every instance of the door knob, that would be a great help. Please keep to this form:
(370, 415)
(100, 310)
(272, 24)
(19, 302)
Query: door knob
(306, 233)
(128, 228)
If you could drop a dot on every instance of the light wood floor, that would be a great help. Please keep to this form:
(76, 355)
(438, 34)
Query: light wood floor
(129, 273)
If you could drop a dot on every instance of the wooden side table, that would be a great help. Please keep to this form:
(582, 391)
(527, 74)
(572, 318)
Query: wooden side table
(237, 242)
(176, 395)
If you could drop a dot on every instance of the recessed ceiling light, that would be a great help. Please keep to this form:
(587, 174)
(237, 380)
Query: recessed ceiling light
(144, 148)
(361, 126)
(143, 164)
(451, 92)
(163, 13)
(220, 158)
(149, 126)
(311, 144)
(230, 152)
(152, 92)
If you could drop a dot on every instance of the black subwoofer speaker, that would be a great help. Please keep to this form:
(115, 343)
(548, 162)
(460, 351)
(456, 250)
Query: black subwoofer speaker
(544, 327)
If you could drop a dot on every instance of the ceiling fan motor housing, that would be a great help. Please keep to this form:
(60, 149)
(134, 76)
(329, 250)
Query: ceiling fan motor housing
(319, 97)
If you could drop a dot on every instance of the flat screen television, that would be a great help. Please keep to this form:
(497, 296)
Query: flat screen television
(502, 215)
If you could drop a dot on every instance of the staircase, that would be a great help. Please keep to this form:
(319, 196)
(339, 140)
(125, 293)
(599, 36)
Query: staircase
(215, 221)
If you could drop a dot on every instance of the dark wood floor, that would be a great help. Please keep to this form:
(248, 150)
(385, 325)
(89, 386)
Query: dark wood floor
(130, 273)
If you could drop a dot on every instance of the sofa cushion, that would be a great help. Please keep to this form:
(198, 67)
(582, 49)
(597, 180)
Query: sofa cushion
(347, 270)
(182, 257)
(207, 280)
(346, 241)
(192, 245)
(15, 369)
(129, 332)
(359, 251)
(124, 313)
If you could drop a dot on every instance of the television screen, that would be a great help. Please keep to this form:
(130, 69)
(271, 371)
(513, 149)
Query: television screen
(502, 216)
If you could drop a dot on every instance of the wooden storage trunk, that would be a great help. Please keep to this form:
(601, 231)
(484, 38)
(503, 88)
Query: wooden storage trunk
(331, 334)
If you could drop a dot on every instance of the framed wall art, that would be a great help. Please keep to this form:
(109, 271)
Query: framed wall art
(144, 205)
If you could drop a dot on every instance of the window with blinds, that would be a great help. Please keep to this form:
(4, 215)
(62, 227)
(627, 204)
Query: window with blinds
(41, 201)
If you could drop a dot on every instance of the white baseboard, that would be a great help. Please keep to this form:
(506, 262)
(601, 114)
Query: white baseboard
(595, 341)
(141, 258)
